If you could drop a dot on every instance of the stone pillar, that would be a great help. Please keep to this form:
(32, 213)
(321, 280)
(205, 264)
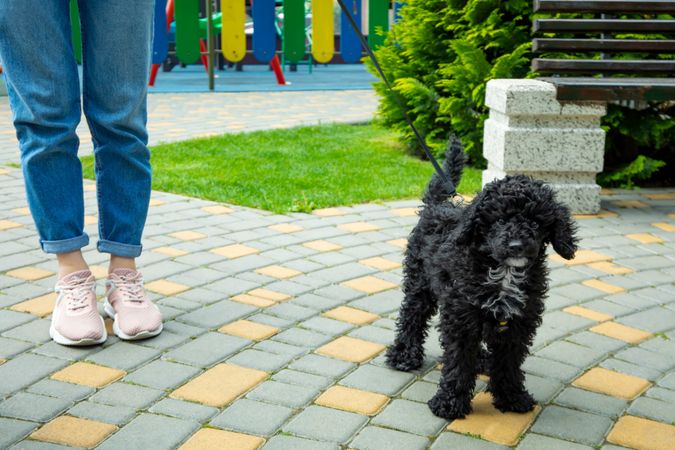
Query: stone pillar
(529, 132)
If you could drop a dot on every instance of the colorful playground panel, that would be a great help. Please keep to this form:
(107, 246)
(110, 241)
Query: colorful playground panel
(265, 33)
(293, 30)
(350, 46)
(322, 31)
(378, 21)
(232, 32)
(187, 30)
(160, 43)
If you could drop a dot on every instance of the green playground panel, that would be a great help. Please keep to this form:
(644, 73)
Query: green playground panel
(378, 21)
(294, 30)
(187, 30)
(75, 31)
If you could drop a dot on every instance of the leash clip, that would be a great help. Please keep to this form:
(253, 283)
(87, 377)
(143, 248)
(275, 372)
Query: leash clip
(503, 326)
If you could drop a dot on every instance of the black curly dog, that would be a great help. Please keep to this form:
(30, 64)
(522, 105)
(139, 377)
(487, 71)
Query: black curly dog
(484, 266)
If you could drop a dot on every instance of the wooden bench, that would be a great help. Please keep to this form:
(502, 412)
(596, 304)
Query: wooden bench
(593, 79)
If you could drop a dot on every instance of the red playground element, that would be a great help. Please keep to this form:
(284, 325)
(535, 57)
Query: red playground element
(276, 67)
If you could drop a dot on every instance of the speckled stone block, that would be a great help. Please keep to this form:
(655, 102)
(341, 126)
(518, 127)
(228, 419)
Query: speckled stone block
(530, 132)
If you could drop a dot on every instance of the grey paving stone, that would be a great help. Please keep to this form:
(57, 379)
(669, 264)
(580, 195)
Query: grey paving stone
(164, 341)
(420, 391)
(317, 302)
(274, 321)
(659, 393)
(595, 340)
(610, 308)
(326, 326)
(35, 331)
(25, 370)
(591, 402)
(381, 303)
(653, 409)
(377, 379)
(376, 438)
(320, 365)
(282, 442)
(668, 381)
(55, 350)
(37, 445)
(302, 338)
(284, 394)
(217, 314)
(645, 358)
(151, 431)
(325, 424)
(537, 442)
(252, 417)
(542, 389)
(33, 407)
(576, 291)
(631, 369)
(183, 410)
(374, 334)
(207, 349)
(116, 415)
(566, 322)
(12, 347)
(571, 354)
(660, 344)
(162, 374)
(412, 417)
(654, 320)
(459, 441)
(302, 379)
(123, 394)
(288, 310)
(123, 355)
(572, 425)
(59, 389)
(279, 348)
(10, 319)
(180, 328)
(256, 359)
(12, 430)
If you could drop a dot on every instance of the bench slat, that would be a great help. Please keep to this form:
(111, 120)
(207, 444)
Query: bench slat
(613, 89)
(625, 6)
(603, 66)
(604, 45)
(604, 25)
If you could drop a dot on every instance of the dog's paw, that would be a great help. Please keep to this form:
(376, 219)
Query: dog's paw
(448, 407)
(521, 403)
(404, 358)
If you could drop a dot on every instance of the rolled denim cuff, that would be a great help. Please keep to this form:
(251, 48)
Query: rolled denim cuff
(65, 245)
(119, 249)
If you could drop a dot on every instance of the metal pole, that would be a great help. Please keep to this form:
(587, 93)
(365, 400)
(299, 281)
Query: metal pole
(209, 43)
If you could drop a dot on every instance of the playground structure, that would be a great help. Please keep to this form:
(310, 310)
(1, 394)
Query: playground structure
(275, 32)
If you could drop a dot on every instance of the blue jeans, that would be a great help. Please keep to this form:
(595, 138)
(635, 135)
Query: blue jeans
(44, 94)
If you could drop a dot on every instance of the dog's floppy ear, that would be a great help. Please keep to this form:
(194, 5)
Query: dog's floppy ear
(467, 229)
(562, 234)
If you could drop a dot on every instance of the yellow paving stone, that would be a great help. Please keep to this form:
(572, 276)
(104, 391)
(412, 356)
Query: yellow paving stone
(166, 287)
(608, 382)
(610, 268)
(601, 215)
(253, 300)
(88, 374)
(350, 349)
(39, 306)
(606, 191)
(270, 295)
(170, 251)
(99, 272)
(581, 257)
(30, 273)
(380, 263)
(92, 188)
(322, 246)
(629, 204)
(108, 326)
(156, 202)
(493, 425)
(353, 400)
(73, 431)
(90, 220)
(188, 235)
(642, 434)
(286, 228)
(645, 238)
(328, 212)
(402, 243)
(2, 361)
(358, 227)
(405, 212)
(664, 226)
(351, 315)
(249, 330)
(22, 211)
(602, 286)
(660, 196)
(235, 251)
(4, 171)
(217, 209)
(219, 385)
(279, 272)
(369, 284)
(588, 313)
(621, 332)
(212, 439)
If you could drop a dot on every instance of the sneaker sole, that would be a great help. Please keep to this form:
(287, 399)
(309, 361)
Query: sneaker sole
(60, 339)
(110, 312)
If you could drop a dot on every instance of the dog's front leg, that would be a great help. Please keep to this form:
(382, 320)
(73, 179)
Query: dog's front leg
(507, 380)
(460, 338)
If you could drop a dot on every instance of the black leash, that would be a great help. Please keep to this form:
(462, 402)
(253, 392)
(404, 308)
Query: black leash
(446, 179)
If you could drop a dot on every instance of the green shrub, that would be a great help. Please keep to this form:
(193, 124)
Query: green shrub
(440, 55)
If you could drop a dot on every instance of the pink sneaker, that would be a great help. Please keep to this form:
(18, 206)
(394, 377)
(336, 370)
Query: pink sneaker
(134, 315)
(75, 320)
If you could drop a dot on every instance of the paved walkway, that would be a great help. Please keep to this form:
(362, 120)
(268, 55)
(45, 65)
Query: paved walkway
(275, 327)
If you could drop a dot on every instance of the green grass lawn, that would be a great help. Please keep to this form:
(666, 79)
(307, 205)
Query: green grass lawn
(296, 169)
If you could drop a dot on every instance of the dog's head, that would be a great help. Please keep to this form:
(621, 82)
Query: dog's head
(513, 219)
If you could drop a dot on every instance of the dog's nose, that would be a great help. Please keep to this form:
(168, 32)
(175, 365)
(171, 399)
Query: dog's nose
(516, 246)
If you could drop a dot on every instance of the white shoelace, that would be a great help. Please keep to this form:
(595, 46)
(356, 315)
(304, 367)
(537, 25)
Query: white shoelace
(131, 288)
(76, 294)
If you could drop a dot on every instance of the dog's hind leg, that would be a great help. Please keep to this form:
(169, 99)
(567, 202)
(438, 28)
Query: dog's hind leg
(412, 327)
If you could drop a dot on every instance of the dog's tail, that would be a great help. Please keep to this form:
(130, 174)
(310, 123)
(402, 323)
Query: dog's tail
(437, 191)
